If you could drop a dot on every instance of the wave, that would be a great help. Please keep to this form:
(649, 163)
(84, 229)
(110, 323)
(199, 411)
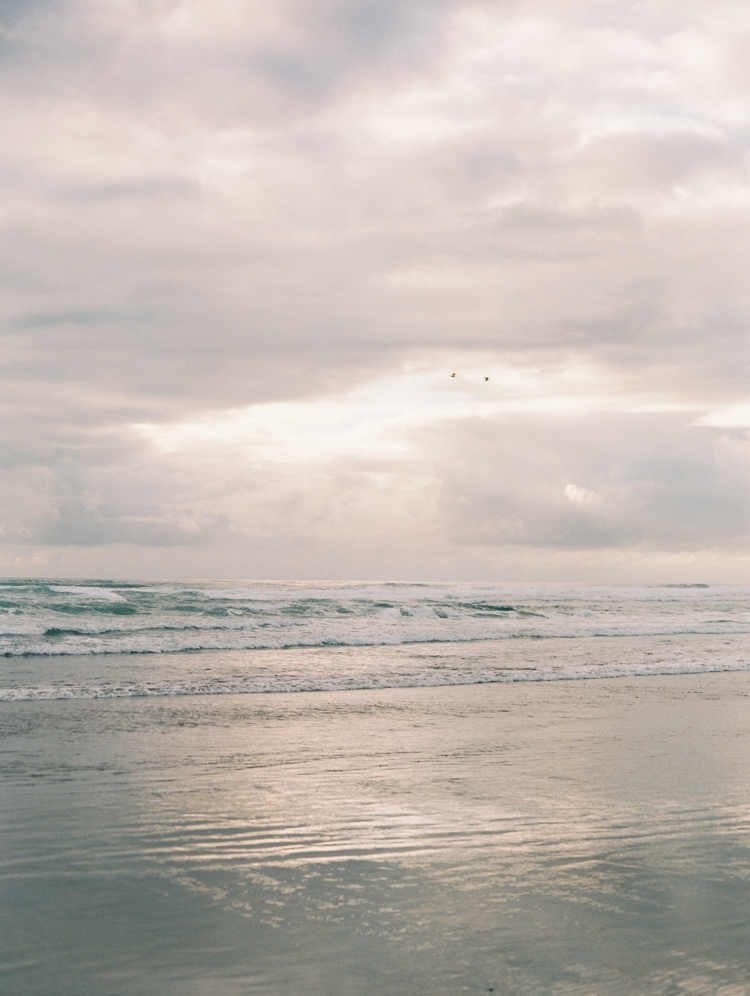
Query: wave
(285, 684)
(42, 618)
(170, 641)
(344, 668)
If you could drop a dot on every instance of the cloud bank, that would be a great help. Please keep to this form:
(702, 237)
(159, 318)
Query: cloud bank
(243, 246)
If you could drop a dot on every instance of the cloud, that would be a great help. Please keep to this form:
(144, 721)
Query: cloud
(645, 481)
(212, 210)
(579, 495)
(393, 482)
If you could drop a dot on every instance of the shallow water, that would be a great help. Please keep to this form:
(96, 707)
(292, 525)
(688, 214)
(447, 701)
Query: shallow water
(559, 837)
(299, 669)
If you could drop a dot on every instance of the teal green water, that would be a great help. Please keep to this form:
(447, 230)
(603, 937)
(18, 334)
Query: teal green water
(588, 837)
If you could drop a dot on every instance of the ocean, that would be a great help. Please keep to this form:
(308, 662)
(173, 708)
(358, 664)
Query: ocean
(103, 639)
(358, 788)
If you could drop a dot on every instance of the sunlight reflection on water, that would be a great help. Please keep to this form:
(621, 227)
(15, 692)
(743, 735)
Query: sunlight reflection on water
(587, 837)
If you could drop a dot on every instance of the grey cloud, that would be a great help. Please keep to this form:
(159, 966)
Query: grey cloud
(89, 496)
(75, 319)
(73, 523)
(658, 162)
(617, 482)
(17, 12)
(146, 188)
(648, 481)
(122, 57)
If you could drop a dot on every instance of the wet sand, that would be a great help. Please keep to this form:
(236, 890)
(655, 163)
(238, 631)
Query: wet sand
(588, 837)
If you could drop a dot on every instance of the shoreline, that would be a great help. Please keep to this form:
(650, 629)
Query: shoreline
(208, 673)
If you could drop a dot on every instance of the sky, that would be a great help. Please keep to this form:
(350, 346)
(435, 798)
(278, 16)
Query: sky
(245, 244)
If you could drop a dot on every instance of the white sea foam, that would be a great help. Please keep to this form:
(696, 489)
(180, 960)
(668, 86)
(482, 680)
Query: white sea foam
(52, 621)
(345, 668)
(90, 591)
(283, 683)
(101, 618)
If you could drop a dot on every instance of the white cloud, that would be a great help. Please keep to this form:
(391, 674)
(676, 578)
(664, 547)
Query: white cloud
(579, 495)
(736, 417)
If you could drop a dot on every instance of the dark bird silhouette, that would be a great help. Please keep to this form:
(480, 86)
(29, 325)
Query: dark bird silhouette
(453, 375)
(486, 378)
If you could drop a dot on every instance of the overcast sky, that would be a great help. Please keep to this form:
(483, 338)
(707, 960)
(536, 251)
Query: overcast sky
(245, 243)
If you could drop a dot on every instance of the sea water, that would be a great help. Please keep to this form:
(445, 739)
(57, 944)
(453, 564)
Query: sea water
(67, 640)
(264, 788)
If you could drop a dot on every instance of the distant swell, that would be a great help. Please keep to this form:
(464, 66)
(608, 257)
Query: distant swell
(91, 618)
(185, 641)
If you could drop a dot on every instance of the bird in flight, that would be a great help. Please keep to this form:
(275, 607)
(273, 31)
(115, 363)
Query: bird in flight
(453, 375)
(486, 378)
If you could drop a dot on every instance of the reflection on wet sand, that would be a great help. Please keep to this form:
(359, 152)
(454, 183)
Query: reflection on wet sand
(576, 837)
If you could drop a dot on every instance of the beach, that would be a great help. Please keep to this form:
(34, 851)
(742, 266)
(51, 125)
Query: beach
(579, 836)
(374, 498)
